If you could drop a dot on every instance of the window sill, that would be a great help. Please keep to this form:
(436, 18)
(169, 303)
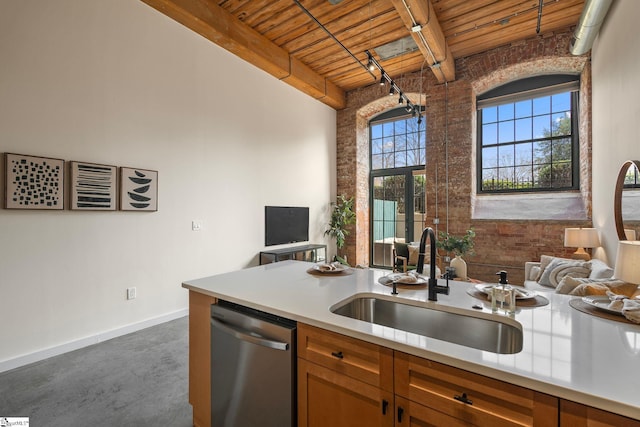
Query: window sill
(530, 206)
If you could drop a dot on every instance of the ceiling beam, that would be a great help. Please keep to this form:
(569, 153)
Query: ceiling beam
(219, 26)
(430, 38)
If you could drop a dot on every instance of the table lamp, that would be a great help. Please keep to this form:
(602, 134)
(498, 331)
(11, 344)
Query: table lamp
(627, 266)
(581, 238)
(630, 233)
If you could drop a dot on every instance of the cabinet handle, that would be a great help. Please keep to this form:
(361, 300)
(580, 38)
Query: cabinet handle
(400, 413)
(463, 399)
(385, 404)
(337, 354)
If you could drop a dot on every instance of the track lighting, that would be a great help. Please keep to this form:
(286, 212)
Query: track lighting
(371, 61)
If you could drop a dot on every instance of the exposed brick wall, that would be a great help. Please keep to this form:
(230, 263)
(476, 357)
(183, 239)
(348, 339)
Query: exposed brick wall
(450, 118)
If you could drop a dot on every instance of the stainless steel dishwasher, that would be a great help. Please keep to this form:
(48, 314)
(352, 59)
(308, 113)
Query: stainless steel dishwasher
(252, 368)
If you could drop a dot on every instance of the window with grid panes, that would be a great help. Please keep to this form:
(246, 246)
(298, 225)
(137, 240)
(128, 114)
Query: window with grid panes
(528, 136)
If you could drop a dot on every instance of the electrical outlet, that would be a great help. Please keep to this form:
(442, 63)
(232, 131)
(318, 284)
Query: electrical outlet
(436, 221)
(447, 259)
(131, 293)
(196, 225)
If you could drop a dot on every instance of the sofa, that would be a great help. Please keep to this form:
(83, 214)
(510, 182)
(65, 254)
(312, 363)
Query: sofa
(574, 277)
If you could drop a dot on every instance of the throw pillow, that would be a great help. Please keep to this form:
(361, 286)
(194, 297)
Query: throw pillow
(585, 286)
(414, 251)
(600, 270)
(589, 289)
(534, 273)
(568, 284)
(558, 268)
(545, 260)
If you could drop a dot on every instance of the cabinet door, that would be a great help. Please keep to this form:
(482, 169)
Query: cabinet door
(328, 398)
(473, 398)
(411, 414)
(363, 361)
(576, 415)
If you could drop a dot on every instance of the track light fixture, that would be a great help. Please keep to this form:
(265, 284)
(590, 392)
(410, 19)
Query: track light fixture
(393, 87)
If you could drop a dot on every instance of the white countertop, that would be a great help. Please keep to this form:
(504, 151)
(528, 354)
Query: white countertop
(566, 353)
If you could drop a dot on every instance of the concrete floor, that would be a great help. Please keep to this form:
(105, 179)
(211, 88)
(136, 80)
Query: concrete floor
(139, 379)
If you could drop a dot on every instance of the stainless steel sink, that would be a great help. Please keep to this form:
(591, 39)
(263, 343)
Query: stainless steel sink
(467, 330)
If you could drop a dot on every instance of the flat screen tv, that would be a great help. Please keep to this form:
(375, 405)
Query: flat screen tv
(284, 224)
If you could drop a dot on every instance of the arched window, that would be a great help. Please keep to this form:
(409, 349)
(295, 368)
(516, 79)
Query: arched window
(528, 136)
(397, 177)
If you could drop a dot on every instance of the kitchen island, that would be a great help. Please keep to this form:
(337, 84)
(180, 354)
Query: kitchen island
(566, 354)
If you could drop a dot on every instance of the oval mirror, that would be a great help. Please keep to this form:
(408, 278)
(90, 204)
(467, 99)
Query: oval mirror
(626, 209)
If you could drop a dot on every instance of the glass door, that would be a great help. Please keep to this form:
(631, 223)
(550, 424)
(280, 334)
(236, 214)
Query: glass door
(397, 214)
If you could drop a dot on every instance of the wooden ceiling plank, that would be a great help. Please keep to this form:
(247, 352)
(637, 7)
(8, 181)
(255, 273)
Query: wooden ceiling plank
(487, 15)
(222, 28)
(479, 44)
(423, 14)
(342, 28)
(356, 41)
(518, 12)
(473, 10)
(519, 28)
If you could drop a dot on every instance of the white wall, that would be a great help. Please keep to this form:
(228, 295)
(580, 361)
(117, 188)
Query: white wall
(616, 111)
(116, 82)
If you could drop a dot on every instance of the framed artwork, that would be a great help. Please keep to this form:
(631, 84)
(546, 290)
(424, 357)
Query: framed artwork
(33, 182)
(93, 186)
(138, 189)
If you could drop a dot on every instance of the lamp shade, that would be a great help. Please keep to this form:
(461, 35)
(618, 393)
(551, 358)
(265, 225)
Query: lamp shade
(630, 233)
(628, 262)
(581, 238)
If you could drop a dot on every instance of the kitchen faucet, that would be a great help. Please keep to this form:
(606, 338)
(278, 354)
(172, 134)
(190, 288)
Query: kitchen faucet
(433, 288)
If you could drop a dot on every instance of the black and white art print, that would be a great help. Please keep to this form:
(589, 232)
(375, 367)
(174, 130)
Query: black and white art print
(33, 182)
(138, 189)
(93, 186)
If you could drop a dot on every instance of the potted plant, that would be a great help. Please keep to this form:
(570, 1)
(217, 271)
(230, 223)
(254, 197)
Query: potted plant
(342, 216)
(459, 246)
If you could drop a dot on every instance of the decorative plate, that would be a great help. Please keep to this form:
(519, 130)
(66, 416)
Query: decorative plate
(332, 268)
(406, 279)
(521, 293)
(602, 303)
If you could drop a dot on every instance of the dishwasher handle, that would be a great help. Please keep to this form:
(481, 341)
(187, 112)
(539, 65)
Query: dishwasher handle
(246, 336)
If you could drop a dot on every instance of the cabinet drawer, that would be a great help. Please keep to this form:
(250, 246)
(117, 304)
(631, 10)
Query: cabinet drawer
(327, 398)
(576, 415)
(366, 362)
(410, 414)
(473, 398)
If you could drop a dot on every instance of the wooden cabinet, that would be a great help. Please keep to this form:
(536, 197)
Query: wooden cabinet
(412, 414)
(330, 398)
(200, 357)
(363, 361)
(576, 415)
(472, 399)
(343, 381)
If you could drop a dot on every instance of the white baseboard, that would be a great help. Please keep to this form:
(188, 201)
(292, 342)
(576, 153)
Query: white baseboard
(37, 356)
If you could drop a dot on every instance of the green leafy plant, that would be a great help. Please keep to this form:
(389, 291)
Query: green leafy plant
(458, 245)
(342, 216)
